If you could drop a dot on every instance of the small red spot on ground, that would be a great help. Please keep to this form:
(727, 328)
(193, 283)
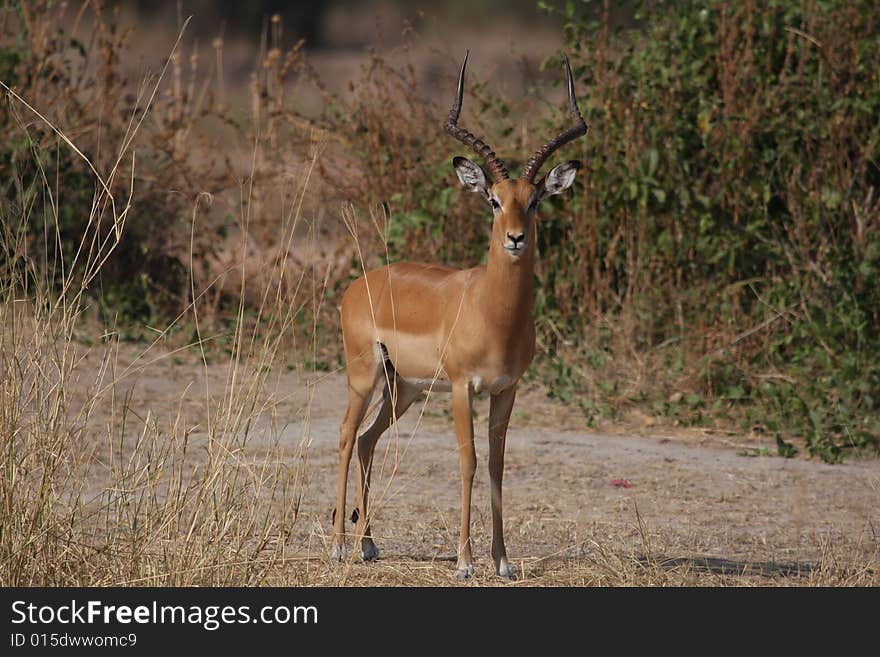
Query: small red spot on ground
(620, 483)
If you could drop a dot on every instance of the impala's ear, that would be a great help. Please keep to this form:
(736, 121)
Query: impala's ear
(471, 175)
(559, 179)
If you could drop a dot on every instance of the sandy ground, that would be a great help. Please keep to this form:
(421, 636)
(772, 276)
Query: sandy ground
(696, 504)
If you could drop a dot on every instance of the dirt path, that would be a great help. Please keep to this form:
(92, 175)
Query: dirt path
(696, 510)
(685, 501)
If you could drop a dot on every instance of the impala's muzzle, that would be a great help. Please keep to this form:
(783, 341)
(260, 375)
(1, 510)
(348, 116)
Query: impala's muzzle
(515, 244)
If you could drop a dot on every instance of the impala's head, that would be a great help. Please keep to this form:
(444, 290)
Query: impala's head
(514, 201)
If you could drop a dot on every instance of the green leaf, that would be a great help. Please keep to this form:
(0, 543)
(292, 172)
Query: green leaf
(786, 450)
(653, 160)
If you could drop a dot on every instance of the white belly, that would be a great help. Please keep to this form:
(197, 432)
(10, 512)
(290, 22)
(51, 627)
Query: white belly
(432, 385)
(493, 387)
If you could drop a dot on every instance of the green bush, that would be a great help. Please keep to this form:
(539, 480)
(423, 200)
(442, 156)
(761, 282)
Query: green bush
(68, 62)
(49, 197)
(731, 204)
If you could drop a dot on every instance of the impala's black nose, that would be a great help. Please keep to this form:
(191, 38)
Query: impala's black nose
(516, 241)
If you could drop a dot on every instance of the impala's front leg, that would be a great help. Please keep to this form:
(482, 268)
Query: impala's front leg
(467, 459)
(499, 415)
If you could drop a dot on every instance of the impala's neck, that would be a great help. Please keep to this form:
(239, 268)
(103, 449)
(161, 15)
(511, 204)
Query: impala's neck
(510, 286)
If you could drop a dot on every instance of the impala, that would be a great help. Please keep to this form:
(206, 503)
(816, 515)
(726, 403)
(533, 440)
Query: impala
(418, 327)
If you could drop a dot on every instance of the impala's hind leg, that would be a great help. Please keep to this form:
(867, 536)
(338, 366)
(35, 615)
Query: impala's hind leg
(362, 375)
(397, 397)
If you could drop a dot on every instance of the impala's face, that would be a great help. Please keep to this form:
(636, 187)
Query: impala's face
(514, 202)
(513, 207)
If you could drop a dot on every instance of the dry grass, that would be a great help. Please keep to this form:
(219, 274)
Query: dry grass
(131, 498)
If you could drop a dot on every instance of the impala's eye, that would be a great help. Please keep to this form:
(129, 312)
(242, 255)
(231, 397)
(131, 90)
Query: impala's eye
(495, 204)
(533, 205)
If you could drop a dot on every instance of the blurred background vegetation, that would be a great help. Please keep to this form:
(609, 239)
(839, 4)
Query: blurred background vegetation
(717, 263)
